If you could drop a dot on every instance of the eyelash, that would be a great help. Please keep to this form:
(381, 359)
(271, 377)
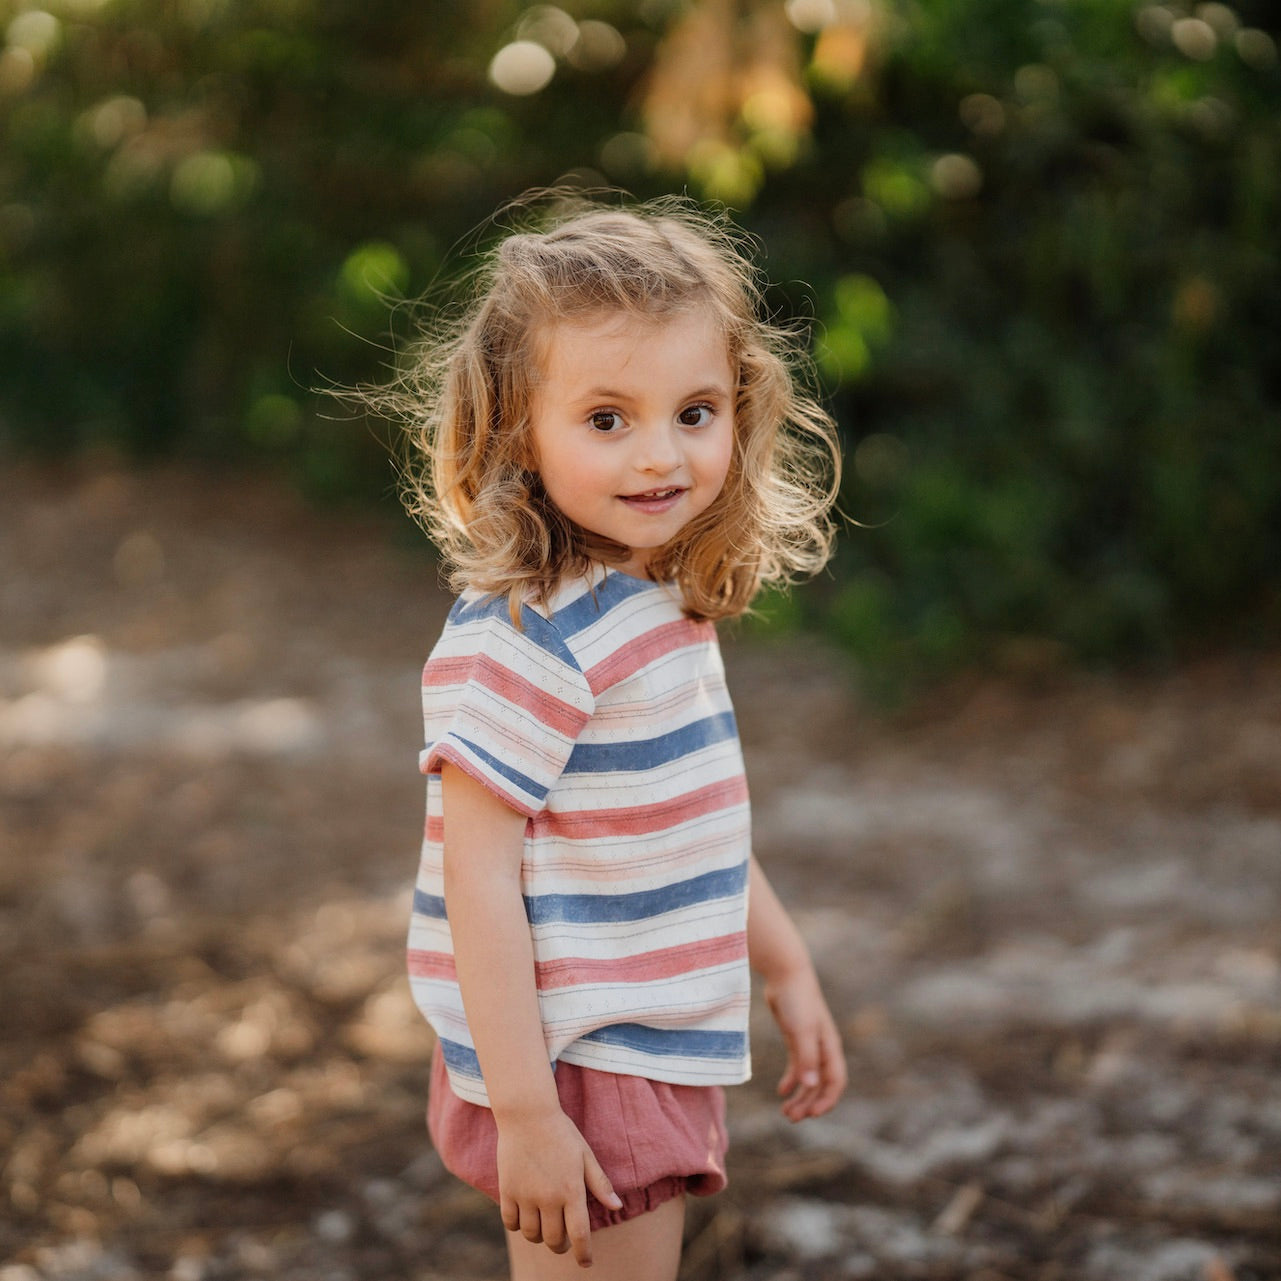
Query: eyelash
(709, 410)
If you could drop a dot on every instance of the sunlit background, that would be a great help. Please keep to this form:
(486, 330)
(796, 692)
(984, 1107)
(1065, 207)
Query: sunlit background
(1037, 243)
(1013, 758)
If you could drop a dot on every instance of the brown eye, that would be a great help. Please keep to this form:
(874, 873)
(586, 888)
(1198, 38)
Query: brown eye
(695, 416)
(606, 420)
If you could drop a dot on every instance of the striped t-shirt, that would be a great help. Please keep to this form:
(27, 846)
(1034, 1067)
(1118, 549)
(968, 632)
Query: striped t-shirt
(606, 721)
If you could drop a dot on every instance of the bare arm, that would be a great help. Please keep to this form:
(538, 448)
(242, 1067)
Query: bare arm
(544, 1165)
(815, 1076)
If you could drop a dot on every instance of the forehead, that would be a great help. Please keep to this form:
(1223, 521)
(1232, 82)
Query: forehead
(633, 349)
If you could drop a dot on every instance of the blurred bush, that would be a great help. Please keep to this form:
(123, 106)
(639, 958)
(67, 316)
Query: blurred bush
(1038, 242)
(1068, 418)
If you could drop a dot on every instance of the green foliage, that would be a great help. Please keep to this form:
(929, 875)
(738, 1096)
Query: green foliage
(209, 208)
(1041, 240)
(1075, 226)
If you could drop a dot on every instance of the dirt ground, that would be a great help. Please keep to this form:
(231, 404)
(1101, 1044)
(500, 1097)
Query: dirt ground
(1047, 916)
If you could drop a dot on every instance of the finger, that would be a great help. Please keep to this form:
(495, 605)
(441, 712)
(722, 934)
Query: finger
(578, 1232)
(806, 1075)
(511, 1215)
(830, 1082)
(531, 1224)
(835, 1073)
(598, 1183)
(789, 1080)
(798, 1106)
(555, 1237)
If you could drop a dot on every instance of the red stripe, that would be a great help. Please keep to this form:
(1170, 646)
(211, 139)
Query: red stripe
(573, 971)
(553, 712)
(431, 965)
(647, 967)
(633, 820)
(645, 649)
(636, 820)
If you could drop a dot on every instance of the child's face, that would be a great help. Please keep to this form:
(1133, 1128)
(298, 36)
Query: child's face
(633, 425)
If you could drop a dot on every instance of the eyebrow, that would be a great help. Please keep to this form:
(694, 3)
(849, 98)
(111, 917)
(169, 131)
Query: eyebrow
(611, 393)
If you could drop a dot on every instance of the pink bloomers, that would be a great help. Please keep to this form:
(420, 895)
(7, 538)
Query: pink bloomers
(655, 1141)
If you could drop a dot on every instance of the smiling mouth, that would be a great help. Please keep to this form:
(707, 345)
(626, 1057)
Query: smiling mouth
(653, 495)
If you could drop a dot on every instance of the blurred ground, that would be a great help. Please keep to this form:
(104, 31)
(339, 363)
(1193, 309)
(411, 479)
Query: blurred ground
(1048, 919)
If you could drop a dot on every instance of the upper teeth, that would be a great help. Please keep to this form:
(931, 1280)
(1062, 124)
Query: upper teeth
(659, 493)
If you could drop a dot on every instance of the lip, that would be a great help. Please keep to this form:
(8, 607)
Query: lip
(654, 501)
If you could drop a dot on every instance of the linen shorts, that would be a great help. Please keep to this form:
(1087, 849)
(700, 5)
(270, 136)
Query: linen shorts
(655, 1141)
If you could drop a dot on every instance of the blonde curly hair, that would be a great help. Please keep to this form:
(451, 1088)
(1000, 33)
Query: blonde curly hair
(470, 477)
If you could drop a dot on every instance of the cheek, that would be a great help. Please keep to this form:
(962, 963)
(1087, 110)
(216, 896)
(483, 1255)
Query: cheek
(573, 476)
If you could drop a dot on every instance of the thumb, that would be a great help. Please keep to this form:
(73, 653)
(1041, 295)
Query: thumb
(597, 1181)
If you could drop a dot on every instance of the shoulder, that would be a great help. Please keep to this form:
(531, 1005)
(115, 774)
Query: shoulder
(585, 621)
(482, 623)
(626, 626)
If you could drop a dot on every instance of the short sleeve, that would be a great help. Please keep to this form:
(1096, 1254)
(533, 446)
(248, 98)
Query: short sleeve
(504, 704)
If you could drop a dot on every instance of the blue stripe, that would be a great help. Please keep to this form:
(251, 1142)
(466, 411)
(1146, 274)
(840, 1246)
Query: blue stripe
(460, 1058)
(473, 611)
(595, 603)
(665, 1042)
(544, 634)
(601, 909)
(647, 753)
(429, 905)
(671, 1042)
(501, 768)
(547, 636)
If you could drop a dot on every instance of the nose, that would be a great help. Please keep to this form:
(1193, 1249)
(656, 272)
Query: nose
(658, 451)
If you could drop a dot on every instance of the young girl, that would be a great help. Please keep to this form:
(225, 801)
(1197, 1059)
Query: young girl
(614, 454)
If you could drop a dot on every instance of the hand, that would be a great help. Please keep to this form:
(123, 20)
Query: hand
(545, 1170)
(815, 1076)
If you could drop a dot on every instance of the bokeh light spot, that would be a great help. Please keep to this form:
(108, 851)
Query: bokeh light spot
(210, 182)
(17, 71)
(1194, 38)
(1256, 48)
(522, 68)
(35, 31)
(117, 118)
(1154, 22)
(371, 272)
(725, 172)
(627, 154)
(550, 27)
(1035, 82)
(1221, 18)
(983, 114)
(75, 670)
(956, 177)
(811, 15)
(843, 352)
(598, 47)
(839, 56)
(776, 104)
(896, 187)
(132, 170)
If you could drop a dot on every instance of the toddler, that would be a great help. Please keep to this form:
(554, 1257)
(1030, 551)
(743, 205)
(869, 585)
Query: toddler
(612, 453)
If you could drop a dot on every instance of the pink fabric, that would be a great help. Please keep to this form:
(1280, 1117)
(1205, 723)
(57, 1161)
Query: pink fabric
(655, 1141)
